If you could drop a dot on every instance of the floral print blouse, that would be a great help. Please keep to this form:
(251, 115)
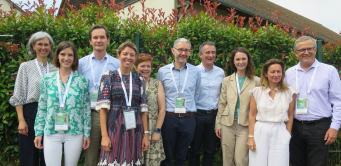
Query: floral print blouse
(77, 105)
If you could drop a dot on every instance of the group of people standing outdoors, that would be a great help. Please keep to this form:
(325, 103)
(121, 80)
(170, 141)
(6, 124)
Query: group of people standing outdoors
(280, 118)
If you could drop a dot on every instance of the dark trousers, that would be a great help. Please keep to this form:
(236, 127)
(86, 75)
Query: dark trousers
(307, 145)
(177, 135)
(204, 132)
(28, 154)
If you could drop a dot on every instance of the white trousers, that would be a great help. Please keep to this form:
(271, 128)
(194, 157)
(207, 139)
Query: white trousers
(272, 145)
(53, 145)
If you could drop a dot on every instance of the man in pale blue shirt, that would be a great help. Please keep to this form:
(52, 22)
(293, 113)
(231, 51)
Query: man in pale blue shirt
(207, 106)
(317, 115)
(180, 82)
(92, 67)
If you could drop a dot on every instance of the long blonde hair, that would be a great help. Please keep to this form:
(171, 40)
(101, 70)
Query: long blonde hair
(265, 81)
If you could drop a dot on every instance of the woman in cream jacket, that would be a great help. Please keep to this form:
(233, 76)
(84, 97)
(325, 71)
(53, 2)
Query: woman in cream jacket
(234, 107)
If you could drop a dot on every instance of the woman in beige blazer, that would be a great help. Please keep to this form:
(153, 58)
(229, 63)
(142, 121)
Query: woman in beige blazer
(234, 107)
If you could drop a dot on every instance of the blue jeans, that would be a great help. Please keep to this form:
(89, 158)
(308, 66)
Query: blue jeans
(204, 133)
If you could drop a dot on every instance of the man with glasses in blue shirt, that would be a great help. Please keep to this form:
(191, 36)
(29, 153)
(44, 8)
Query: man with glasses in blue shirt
(317, 113)
(207, 106)
(178, 91)
(92, 67)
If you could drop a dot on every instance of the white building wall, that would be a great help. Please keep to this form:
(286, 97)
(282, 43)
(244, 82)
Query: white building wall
(5, 6)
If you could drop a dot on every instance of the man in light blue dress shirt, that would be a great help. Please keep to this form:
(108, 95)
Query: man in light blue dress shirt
(92, 67)
(317, 115)
(180, 81)
(207, 106)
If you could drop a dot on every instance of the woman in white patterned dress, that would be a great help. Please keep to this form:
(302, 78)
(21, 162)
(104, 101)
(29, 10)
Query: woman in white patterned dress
(156, 112)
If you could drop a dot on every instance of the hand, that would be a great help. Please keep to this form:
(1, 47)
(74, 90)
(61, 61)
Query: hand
(330, 136)
(106, 144)
(155, 138)
(218, 133)
(251, 144)
(86, 143)
(37, 142)
(145, 142)
(23, 128)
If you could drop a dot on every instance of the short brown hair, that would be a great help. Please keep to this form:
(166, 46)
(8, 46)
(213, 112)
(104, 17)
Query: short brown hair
(265, 81)
(124, 45)
(98, 27)
(250, 68)
(142, 58)
(63, 45)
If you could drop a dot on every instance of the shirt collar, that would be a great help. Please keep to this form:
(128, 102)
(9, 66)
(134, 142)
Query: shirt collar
(202, 68)
(174, 65)
(92, 56)
(268, 89)
(312, 66)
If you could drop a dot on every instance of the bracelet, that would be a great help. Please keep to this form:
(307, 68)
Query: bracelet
(250, 136)
(146, 132)
(157, 130)
(21, 120)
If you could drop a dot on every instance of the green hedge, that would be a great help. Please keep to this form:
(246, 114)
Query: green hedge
(157, 34)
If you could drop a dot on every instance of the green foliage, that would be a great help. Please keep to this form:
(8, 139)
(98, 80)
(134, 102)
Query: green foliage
(157, 35)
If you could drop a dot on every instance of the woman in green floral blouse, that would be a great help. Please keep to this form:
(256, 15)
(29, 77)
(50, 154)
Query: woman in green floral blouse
(64, 114)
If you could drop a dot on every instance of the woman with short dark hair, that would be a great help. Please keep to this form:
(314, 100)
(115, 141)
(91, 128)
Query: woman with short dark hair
(26, 95)
(64, 116)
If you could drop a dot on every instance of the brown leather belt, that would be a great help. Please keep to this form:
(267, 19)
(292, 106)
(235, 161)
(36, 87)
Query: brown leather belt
(181, 115)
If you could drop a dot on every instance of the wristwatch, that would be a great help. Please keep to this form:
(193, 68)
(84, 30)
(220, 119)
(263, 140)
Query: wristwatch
(157, 130)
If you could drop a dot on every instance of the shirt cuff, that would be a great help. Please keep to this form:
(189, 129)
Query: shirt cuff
(103, 104)
(144, 108)
(335, 126)
(39, 133)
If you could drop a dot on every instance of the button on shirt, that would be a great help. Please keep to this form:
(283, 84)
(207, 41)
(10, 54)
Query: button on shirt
(191, 91)
(85, 68)
(325, 92)
(210, 87)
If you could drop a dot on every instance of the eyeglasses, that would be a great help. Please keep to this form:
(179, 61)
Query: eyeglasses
(303, 50)
(145, 55)
(41, 44)
(183, 50)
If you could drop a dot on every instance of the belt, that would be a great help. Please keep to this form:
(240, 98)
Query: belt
(181, 115)
(93, 110)
(305, 122)
(207, 111)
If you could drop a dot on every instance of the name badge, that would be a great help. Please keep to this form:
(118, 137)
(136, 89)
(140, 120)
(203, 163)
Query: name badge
(180, 105)
(61, 121)
(301, 106)
(129, 119)
(94, 96)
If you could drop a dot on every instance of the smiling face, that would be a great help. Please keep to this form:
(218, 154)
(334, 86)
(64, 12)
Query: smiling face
(274, 73)
(145, 68)
(66, 58)
(127, 57)
(240, 61)
(306, 58)
(42, 47)
(99, 40)
(208, 55)
(182, 51)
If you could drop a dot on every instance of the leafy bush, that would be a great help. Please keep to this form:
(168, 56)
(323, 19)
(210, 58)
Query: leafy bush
(156, 32)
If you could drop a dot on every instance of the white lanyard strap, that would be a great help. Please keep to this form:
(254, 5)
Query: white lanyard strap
(62, 100)
(96, 83)
(176, 87)
(237, 80)
(312, 77)
(40, 73)
(124, 88)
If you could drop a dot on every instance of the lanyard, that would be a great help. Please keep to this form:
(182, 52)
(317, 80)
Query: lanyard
(312, 77)
(96, 83)
(176, 87)
(62, 100)
(237, 80)
(40, 73)
(124, 89)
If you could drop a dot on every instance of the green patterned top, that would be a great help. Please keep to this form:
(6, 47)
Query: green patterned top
(241, 83)
(77, 105)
